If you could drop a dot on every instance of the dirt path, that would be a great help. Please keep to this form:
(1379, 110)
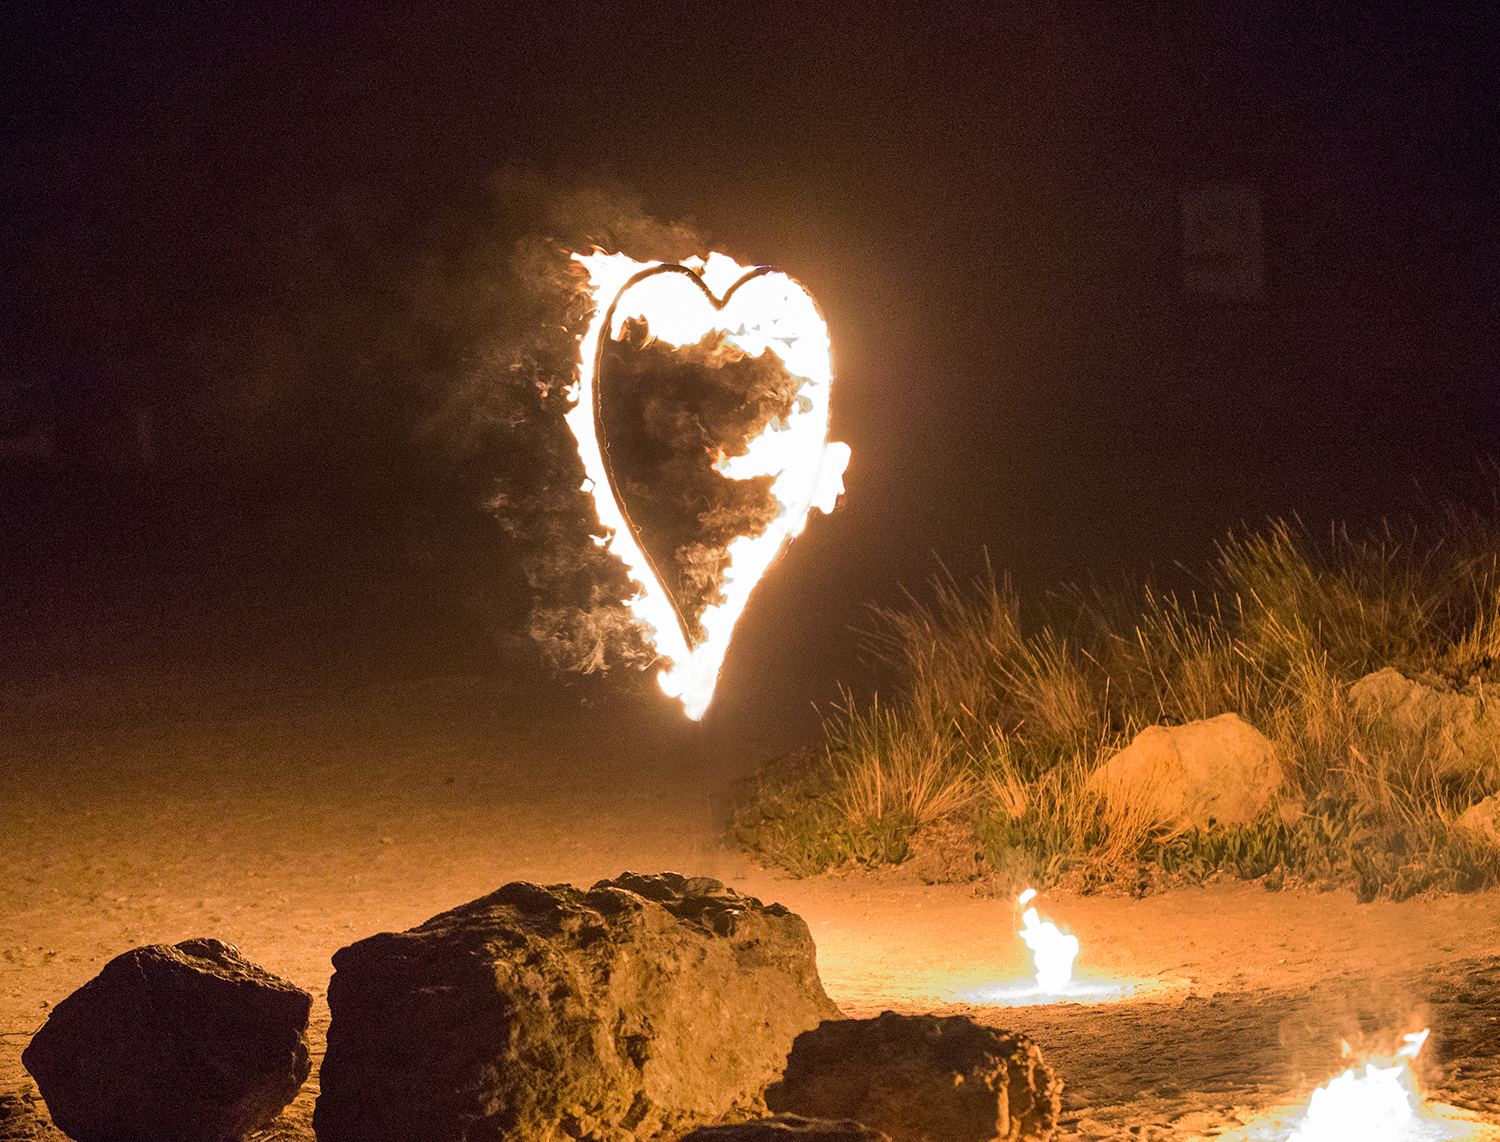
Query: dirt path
(292, 822)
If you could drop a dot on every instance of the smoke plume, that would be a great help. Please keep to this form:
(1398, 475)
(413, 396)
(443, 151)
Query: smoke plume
(511, 407)
(669, 413)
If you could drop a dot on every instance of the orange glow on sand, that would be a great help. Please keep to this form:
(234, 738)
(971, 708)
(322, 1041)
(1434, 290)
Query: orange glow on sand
(757, 310)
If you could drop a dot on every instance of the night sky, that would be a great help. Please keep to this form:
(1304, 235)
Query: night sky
(1101, 290)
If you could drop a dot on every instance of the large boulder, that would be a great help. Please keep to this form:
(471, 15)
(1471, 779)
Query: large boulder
(787, 1128)
(1221, 769)
(921, 1078)
(1462, 727)
(174, 1043)
(642, 1008)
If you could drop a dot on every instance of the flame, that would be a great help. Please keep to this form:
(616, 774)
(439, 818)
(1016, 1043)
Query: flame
(761, 309)
(1373, 1104)
(1053, 950)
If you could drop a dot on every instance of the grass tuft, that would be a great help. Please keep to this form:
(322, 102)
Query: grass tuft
(1004, 727)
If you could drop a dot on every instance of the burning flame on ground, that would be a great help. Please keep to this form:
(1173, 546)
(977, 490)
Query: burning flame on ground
(1053, 950)
(761, 309)
(1376, 1102)
(1373, 1104)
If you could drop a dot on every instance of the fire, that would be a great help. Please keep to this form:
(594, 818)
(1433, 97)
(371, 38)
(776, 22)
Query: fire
(755, 309)
(1377, 1104)
(1053, 950)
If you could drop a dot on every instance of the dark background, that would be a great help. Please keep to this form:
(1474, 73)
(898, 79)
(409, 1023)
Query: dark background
(261, 281)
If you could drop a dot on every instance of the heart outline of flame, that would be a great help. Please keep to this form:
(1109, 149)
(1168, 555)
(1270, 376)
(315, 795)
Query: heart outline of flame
(807, 468)
(604, 331)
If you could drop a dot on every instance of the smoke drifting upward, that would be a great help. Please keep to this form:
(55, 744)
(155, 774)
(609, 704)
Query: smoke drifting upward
(577, 618)
(356, 398)
(669, 413)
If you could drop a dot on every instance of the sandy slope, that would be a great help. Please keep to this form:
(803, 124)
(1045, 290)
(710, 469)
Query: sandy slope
(293, 820)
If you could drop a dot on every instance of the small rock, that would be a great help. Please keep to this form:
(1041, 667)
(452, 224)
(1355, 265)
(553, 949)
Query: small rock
(947, 852)
(787, 1128)
(21, 1121)
(1461, 728)
(1482, 821)
(1221, 769)
(645, 1006)
(920, 1078)
(182, 1043)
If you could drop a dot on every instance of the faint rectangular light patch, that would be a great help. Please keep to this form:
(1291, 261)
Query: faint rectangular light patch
(1221, 240)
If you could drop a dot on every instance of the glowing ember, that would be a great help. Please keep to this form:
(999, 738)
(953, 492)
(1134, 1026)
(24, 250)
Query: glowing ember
(1375, 1105)
(753, 311)
(1052, 950)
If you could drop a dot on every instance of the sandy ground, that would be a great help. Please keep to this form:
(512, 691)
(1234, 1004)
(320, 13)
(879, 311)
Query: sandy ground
(295, 819)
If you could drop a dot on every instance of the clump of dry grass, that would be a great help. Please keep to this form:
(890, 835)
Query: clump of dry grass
(1006, 726)
(897, 764)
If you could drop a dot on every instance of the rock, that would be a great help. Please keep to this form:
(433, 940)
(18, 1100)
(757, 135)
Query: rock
(1463, 727)
(174, 1043)
(21, 1121)
(787, 1128)
(921, 1078)
(947, 852)
(1482, 821)
(647, 1005)
(1221, 769)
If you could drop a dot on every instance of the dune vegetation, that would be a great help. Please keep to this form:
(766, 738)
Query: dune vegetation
(992, 730)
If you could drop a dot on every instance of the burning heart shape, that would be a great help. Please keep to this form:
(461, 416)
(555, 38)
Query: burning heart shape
(702, 422)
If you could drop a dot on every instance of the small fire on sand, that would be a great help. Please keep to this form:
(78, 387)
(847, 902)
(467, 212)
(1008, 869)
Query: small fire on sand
(692, 333)
(1373, 1103)
(1377, 1101)
(1053, 950)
